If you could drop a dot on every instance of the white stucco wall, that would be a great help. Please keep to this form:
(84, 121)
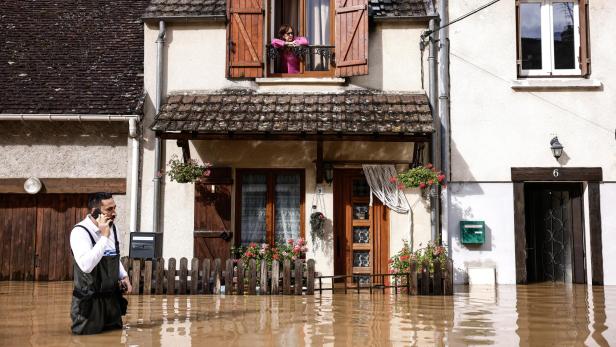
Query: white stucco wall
(608, 235)
(393, 58)
(492, 203)
(495, 127)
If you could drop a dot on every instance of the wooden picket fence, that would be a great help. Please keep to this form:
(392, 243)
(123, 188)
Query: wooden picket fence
(418, 281)
(207, 277)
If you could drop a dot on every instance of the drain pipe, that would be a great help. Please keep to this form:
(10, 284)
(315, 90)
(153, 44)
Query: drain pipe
(435, 200)
(444, 112)
(158, 146)
(134, 187)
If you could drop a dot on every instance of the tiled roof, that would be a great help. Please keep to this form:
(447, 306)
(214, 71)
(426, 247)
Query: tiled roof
(186, 8)
(400, 8)
(246, 111)
(71, 56)
(217, 8)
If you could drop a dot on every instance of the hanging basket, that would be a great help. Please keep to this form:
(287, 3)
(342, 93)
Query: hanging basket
(317, 225)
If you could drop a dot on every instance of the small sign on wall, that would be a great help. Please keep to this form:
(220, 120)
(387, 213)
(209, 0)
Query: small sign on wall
(472, 232)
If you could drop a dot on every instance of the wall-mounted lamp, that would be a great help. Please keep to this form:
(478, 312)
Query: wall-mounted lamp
(212, 188)
(328, 170)
(33, 185)
(556, 147)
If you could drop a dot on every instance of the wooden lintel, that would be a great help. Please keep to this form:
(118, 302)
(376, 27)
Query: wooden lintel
(67, 185)
(556, 174)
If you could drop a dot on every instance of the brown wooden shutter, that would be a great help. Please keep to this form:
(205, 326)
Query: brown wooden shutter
(245, 38)
(584, 38)
(351, 37)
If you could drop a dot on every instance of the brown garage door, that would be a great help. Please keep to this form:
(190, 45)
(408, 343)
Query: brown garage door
(34, 235)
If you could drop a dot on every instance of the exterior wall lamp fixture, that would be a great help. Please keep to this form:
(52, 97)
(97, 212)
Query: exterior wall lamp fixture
(328, 170)
(556, 147)
(33, 185)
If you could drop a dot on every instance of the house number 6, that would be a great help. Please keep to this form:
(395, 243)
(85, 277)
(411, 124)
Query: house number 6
(555, 173)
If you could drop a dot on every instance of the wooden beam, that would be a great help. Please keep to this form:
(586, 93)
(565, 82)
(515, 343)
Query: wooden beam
(519, 218)
(319, 163)
(556, 174)
(418, 137)
(67, 185)
(596, 243)
(183, 143)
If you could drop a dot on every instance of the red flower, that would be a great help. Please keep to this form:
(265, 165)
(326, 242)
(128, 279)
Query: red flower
(440, 178)
(252, 244)
(393, 179)
(401, 186)
(391, 261)
(275, 257)
(404, 258)
(431, 182)
(422, 185)
(429, 165)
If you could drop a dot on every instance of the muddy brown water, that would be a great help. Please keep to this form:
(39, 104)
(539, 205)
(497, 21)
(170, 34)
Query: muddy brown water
(37, 314)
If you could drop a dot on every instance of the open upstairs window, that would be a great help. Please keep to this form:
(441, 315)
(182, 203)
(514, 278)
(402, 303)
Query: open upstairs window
(297, 38)
(553, 38)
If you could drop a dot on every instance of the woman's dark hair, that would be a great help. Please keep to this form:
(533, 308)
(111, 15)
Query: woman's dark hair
(94, 200)
(283, 30)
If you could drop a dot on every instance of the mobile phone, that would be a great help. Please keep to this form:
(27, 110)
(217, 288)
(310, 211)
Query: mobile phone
(97, 212)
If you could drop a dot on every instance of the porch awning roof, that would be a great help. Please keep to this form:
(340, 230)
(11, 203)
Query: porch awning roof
(352, 112)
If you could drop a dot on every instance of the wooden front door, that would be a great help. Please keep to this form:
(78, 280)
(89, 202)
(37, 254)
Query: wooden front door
(361, 242)
(212, 235)
(35, 235)
(554, 232)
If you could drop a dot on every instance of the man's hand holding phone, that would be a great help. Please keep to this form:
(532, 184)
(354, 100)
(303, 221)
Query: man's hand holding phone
(103, 222)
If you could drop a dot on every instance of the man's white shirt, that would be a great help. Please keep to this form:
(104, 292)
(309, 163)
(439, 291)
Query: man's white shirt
(86, 256)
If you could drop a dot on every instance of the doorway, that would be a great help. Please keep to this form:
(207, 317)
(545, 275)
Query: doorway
(361, 230)
(554, 232)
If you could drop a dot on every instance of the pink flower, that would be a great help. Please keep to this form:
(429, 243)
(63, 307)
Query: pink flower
(301, 241)
(429, 166)
(440, 178)
(264, 246)
(275, 256)
(422, 185)
(431, 182)
(304, 249)
(290, 241)
(390, 261)
(393, 179)
(401, 186)
(252, 245)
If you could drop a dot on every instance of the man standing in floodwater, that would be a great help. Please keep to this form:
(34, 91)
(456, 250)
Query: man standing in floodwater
(99, 277)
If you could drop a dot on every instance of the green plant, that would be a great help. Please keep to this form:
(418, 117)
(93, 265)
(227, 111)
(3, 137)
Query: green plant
(401, 262)
(317, 227)
(190, 171)
(291, 250)
(420, 177)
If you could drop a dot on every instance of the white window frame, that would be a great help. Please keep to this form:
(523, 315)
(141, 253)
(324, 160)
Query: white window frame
(547, 40)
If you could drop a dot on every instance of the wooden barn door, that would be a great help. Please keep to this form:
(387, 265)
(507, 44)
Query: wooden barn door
(212, 236)
(34, 235)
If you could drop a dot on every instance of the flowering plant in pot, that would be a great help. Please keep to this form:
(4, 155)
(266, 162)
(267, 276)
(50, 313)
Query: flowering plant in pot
(421, 177)
(401, 262)
(186, 172)
(291, 250)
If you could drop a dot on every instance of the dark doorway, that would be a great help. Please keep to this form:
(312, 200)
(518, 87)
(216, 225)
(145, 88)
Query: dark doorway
(554, 232)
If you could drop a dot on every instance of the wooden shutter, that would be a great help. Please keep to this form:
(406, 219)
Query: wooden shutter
(351, 37)
(245, 38)
(584, 38)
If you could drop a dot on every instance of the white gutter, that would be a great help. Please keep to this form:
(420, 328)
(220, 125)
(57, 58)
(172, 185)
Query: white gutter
(132, 133)
(67, 117)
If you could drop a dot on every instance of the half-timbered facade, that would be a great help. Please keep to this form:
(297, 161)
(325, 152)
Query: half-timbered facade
(283, 144)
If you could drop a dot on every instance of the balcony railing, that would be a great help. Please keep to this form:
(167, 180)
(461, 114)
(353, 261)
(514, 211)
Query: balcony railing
(312, 57)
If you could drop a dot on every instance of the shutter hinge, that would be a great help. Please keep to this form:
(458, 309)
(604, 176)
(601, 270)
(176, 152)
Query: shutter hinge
(518, 61)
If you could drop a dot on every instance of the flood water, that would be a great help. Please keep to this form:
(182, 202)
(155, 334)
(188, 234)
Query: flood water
(37, 314)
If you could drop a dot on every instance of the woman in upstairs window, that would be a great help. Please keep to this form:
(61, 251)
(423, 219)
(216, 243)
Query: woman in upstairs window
(289, 62)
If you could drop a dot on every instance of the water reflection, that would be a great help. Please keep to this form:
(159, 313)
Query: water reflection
(543, 314)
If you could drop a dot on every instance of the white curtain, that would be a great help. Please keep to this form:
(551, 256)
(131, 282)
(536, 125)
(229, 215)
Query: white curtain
(287, 207)
(317, 31)
(254, 199)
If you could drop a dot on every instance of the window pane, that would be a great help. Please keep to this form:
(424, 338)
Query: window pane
(318, 33)
(287, 210)
(254, 199)
(564, 50)
(530, 33)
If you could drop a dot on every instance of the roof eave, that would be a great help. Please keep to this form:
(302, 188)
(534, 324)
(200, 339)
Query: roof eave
(184, 19)
(419, 19)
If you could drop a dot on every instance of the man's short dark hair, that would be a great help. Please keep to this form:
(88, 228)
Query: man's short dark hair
(94, 200)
